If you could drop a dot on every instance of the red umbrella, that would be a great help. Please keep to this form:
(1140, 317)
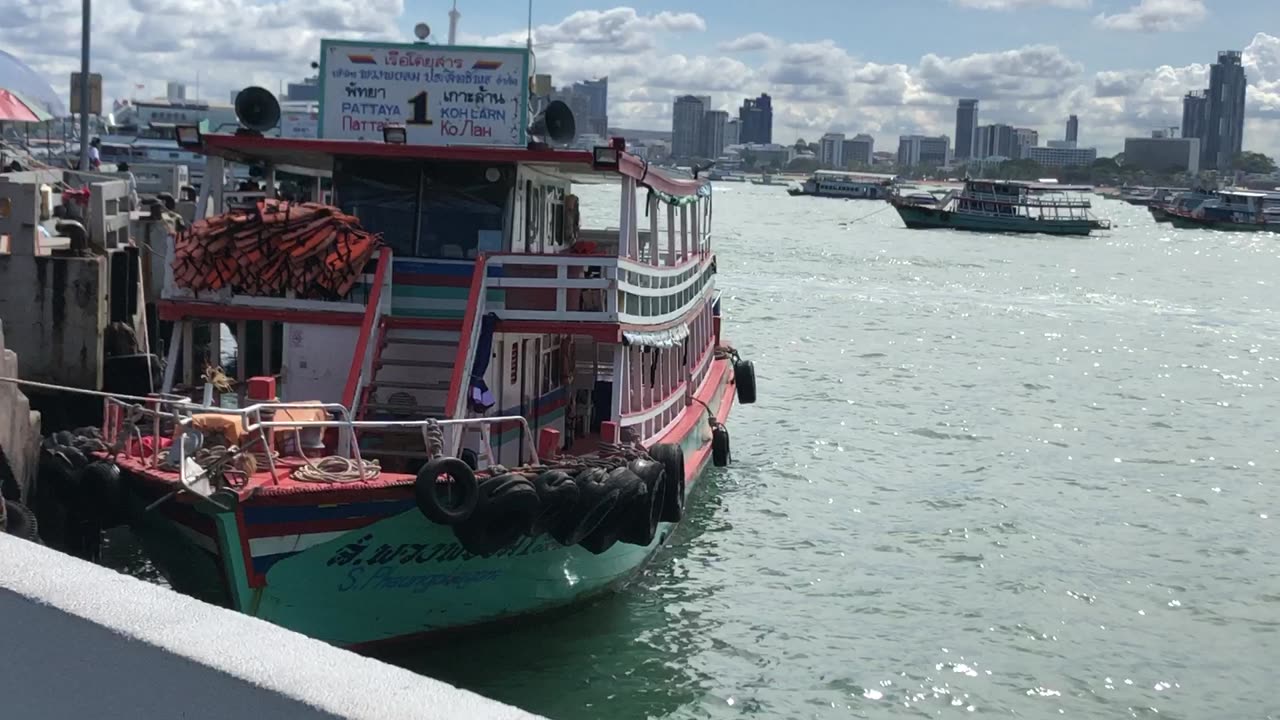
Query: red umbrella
(15, 108)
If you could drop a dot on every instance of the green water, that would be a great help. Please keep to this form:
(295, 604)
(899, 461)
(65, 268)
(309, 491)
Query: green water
(987, 476)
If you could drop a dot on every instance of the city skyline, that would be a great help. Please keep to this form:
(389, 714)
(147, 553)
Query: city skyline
(1122, 66)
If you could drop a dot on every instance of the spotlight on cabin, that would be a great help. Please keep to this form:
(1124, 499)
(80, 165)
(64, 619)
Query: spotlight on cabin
(188, 135)
(605, 157)
(394, 135)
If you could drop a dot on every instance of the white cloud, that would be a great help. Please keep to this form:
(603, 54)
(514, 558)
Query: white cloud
(649, 58)
(749, 43)
(1156, 16)
(1019, 4)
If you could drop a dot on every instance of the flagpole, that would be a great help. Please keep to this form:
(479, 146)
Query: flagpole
(84, 85)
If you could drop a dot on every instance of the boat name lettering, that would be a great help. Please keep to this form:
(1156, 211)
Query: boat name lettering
(392, 578)
(410, 58)
(368, 108)
(392, 75)
(359, 553)
(480, 113)
(475, 97)
(356, 91)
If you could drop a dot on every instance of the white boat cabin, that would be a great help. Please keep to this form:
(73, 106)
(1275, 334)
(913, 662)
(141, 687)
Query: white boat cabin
(489, 296)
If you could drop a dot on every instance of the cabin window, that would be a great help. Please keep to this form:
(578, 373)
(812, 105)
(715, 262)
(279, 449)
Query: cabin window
(446, 210)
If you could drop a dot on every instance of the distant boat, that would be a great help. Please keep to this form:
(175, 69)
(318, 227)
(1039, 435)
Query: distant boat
(1232, 210)
(848, 185)
(768, 180)
(1186, 201)
(1003, 206)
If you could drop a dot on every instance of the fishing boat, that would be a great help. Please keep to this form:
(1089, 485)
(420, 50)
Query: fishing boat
(451, 403)
(1004, 206)
(1232, 210)
(848, 185)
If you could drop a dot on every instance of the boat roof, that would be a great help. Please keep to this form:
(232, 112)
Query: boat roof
(1034, 185)
(310, 156)
(1244, 193)
(852, 174)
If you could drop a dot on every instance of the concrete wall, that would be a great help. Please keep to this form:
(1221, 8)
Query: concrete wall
(82, 641)
(19, 429)
(55, 310)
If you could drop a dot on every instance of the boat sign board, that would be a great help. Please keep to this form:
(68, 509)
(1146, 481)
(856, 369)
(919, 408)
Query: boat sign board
(442, 95)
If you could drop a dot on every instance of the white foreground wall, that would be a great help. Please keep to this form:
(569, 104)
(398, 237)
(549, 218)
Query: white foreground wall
(82, 641)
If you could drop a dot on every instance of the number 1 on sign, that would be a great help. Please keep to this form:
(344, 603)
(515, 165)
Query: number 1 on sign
(419, 104)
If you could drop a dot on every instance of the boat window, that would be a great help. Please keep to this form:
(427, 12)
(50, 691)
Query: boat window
(426, 209)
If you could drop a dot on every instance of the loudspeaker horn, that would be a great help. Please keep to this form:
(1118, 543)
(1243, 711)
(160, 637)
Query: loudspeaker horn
(257, 109)
(556, 124)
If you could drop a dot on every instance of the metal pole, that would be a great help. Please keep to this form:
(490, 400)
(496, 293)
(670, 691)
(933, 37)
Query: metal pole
(84, 85)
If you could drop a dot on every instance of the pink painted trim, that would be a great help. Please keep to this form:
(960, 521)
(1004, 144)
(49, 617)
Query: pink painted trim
(174, 310)
(366, 328)
(695, 413)
(462, 361)
(241, 147)
(634, 167)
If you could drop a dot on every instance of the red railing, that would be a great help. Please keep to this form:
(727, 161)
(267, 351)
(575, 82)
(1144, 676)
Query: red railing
(460, 378)
(371, 314)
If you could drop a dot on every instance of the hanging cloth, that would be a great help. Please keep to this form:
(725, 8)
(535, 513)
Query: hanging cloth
(479, 398)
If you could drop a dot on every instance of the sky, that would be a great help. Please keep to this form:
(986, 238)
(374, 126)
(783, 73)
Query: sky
(851, 66)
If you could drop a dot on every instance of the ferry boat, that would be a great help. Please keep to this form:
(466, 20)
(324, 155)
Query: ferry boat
(1233, 210)
(452, 404)
(849, 185)
(1004, 206)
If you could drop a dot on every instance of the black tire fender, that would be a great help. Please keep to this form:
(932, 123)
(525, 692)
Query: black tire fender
(744, 378)
(671, 457)
(104, 493)
(596, 501)
(644, 528)
(470, 457)
(557, 500)
(507, 506)
(463, 491)
(720, 456)
(19, 521)
(633, 497)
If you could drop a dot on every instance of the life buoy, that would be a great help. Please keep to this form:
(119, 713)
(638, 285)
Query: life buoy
(461, 494)
(507, 507)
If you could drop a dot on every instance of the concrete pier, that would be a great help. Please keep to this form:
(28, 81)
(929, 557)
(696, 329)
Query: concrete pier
(82, 641)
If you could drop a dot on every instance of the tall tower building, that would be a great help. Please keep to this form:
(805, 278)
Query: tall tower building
(1073, 129)
(686, 125)
(966, 129)
(755, 120)
(1225, 119)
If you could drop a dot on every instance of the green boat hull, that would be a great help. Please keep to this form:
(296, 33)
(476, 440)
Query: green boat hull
(930, 218)
(1186, 223)
(391, 578)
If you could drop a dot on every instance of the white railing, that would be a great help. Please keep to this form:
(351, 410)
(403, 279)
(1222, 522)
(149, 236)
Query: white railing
(626, 291)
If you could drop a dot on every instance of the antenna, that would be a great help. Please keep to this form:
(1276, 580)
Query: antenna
(530, 27)
(454, 16)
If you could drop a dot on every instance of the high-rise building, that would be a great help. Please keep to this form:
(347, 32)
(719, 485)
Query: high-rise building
(176, 91)
(1062, 153)
(858, 151)
(686, 126)
(732, 132)
(920, 150)
(996, 141)
(589, 101)
(712, 132)
(1073, 129)
(831, 150)
(1195, 116)
(1227, 85)
(1023, 140)
(755, 118)
(966, 128)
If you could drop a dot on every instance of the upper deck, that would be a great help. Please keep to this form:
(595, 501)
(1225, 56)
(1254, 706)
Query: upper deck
(443, 212)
